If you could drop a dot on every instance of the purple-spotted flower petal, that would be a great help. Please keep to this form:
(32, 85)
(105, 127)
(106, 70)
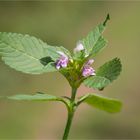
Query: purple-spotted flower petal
(79, 47)
(87, 69)
(62, 62)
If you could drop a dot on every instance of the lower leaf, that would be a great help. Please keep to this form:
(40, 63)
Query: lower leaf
(35, 97)
(103, 103)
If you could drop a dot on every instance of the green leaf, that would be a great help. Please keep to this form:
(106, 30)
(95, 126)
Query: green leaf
(96, 82)
(38, 97)
(65, 51)
(92, 38)
(104, 75)
(79, 55)
(35, 97)
(28, 54)
(94, 41)
(103, 103)
(100, 45)
(53, 52)
(110, 70)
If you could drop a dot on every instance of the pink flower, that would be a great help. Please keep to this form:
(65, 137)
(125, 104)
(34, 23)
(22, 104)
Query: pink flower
(87, 69)
(62, 62)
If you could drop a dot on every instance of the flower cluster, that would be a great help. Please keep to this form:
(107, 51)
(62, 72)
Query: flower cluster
(63, 61)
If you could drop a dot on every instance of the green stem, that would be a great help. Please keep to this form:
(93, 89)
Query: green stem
(71, 111)
(68, 125)
(74, 90)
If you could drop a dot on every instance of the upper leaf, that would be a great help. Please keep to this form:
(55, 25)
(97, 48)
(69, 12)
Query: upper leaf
(96, 82)
(101, 44)
(94, 40)
(103, 103)
(28, 54)
(110, 70)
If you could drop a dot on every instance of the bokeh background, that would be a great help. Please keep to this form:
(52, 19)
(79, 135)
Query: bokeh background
(64, 23)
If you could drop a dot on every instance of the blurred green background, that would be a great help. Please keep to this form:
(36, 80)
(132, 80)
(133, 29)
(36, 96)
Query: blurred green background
(64, 23)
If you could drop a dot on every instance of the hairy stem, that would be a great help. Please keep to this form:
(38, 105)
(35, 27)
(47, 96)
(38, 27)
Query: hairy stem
(71, 111)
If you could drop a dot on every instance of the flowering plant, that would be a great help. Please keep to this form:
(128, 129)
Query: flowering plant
(33, 56)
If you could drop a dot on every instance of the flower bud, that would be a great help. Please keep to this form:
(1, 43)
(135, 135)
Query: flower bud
(90, 61)
(79, 47)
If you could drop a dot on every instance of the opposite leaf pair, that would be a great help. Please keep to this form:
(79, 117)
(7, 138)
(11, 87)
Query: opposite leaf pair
(103, 103)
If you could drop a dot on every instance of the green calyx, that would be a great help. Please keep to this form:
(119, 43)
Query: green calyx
(73, 73)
